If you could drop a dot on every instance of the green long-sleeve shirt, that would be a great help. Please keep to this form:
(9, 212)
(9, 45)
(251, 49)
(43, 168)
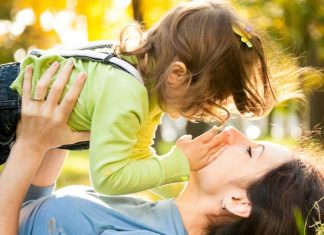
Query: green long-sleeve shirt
(122, 118)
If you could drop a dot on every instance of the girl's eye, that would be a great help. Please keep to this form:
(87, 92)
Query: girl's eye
(249, 150)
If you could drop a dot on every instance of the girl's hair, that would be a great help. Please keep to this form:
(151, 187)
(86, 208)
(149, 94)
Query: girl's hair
(292, 189)
(221, 68)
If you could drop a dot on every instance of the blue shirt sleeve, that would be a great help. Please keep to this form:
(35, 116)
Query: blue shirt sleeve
(138, 232)
(35, 192)
(76, 210)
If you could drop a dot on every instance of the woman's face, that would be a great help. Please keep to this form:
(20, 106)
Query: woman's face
(241, 160)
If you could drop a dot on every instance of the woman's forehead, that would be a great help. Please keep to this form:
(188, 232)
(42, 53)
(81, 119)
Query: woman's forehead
(276, 151)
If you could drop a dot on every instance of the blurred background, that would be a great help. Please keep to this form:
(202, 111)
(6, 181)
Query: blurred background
(296, 27)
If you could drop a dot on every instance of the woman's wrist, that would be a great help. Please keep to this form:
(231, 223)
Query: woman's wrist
(33, 148)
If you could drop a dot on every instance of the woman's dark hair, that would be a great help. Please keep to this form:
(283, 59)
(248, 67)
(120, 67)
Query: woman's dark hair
(293, 188)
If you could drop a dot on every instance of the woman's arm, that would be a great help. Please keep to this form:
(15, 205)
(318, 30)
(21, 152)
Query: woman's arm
(43, 126)
(14, 181)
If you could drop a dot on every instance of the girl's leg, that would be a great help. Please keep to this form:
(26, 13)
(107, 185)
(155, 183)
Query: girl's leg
(10, 112)
(9, 108)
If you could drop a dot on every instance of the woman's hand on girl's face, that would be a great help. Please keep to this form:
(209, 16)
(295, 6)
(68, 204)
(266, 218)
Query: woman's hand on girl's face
(43, 123)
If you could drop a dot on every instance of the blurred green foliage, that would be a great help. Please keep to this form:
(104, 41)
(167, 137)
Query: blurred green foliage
(75, 169)
(297, 27)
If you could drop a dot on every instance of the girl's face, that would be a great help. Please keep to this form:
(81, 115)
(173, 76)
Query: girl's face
(241, 159)
(173, 113)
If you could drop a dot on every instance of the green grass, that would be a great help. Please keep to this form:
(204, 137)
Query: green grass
(289, 142)
(75, 169)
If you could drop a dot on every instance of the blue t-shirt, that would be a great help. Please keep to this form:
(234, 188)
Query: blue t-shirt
(79, 210)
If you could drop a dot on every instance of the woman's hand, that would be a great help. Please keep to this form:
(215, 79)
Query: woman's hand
(43, 125)
(43, 122)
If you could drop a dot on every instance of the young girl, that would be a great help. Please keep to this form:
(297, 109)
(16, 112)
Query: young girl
(195, 62)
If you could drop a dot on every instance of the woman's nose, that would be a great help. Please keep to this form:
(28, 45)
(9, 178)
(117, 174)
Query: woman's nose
(235, 137)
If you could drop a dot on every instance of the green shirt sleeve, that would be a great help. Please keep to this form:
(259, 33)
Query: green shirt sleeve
(167, 191)
(119, 113)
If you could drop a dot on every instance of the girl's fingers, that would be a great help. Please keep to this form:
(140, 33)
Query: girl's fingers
(208, 135)
(26, 95)
(214, 153)
(58, 86)
(71, 97)
(217, 140)
(185, 138)
(43, 83)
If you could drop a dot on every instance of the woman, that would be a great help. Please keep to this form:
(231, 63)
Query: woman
(250, 187)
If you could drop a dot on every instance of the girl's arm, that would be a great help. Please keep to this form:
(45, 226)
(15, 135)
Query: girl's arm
(44, 180)
(122, 129)
(43, 126)
(50, 168)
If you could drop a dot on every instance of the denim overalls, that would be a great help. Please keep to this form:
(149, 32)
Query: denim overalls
(10, 101)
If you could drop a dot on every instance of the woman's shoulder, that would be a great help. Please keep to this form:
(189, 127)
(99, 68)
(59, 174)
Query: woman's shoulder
(73, 206)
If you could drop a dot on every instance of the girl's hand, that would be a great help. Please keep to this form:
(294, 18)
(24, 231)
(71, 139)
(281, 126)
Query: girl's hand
(201, 150)
(43, 123)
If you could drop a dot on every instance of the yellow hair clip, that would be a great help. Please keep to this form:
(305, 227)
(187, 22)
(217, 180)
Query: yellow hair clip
(244, 32)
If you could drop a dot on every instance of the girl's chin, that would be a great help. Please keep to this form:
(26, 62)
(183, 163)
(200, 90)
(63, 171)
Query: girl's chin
(174, 116)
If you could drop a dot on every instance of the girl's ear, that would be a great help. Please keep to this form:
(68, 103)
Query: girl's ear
(237, 203)
(177, 72)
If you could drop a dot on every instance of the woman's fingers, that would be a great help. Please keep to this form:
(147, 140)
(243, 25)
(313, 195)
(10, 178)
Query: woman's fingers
(71, 97)
(43, 83)
(58, 86)
(44, 124)
(26, 95)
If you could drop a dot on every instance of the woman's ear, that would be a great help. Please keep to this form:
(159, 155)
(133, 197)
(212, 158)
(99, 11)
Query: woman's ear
(237, 203)
(177, 70)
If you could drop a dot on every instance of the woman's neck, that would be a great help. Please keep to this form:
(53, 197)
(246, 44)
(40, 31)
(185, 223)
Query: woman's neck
(193, 218)
(198, 208)
(195, 208)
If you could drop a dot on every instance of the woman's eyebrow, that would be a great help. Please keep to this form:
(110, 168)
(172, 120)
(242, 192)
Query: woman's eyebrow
(262, 150)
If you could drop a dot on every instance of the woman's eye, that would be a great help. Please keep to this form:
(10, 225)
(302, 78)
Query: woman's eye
(256, 151)
(249, 150)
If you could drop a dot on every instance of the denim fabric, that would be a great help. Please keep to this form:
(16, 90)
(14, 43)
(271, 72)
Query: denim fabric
(10, 112)
(9, 108)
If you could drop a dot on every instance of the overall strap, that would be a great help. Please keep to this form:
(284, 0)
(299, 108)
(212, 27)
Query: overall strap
(109, 44)
(88, 52)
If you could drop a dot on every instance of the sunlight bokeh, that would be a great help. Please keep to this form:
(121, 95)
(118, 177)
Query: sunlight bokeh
(297, 27)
